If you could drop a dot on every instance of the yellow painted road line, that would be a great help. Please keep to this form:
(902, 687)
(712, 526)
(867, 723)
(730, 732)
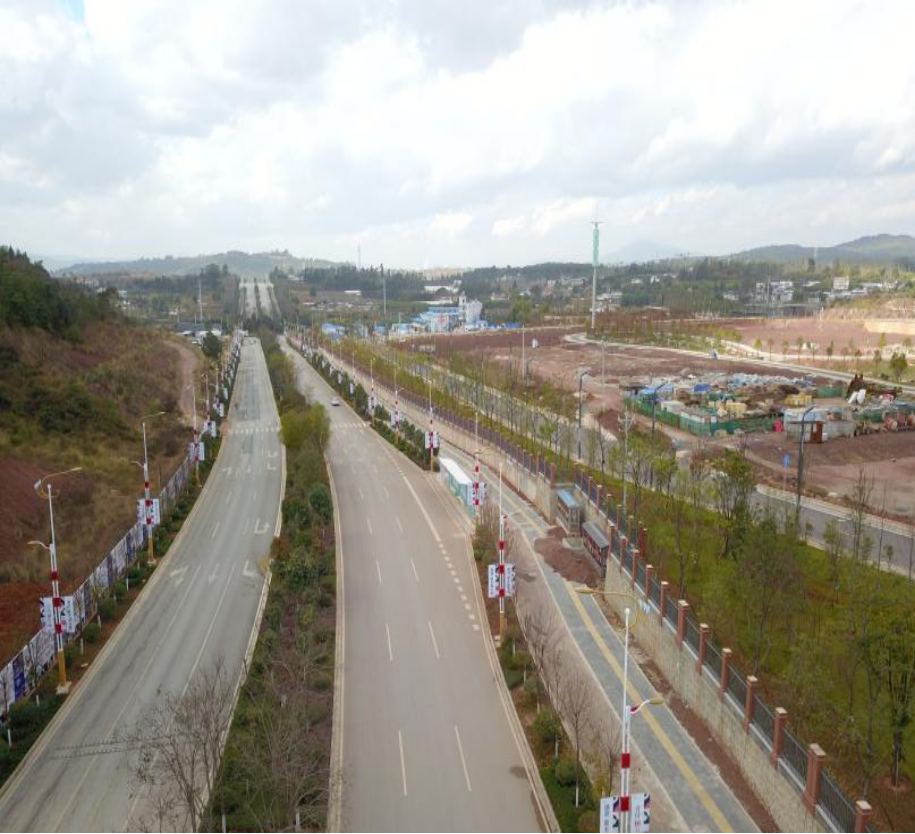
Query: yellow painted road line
(691, 778)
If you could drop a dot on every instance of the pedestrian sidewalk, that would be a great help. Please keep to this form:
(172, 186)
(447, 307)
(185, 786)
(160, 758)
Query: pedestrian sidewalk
(694, 785)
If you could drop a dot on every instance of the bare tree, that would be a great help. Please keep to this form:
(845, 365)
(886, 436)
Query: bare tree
(539, 626)
(181, 739)
(604, 755)
(285, 770)
(575, 704)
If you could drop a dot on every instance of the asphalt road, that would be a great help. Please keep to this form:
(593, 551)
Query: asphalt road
(688, 792)
(199, 608)
(426, 740)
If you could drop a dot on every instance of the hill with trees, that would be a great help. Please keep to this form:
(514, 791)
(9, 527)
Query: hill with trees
(76, 379)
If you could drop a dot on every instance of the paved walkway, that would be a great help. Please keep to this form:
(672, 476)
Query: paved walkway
(695, 786)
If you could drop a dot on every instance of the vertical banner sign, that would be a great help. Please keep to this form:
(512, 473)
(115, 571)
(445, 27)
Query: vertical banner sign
(640, 817)
(493, 585)
(47, 614)
(68, 616)
(201, 456)
(509, 579)
(609, 814)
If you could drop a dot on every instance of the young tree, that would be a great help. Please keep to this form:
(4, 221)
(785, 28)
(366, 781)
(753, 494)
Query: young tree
(898, 365)
(575, 704)
(732, 487)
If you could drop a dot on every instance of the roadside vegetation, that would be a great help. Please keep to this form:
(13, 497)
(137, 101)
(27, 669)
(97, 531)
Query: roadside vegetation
(275, 770)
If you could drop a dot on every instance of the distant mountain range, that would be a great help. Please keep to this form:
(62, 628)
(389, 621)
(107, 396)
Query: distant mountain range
(244, 264)
(873, 249)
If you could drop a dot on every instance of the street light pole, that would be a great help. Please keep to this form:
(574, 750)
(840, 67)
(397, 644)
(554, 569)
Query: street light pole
(581, 378)
(501, 564)
(56, 601)
(626, 420)
(148, 497)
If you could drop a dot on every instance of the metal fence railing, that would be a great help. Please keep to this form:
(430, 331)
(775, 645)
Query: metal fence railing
(670, 610)
(737, 688)
(713, 658)
(763, 719)
(692, 634)
(835, 803)
(794, 754)
(640, 574)
(654, 591)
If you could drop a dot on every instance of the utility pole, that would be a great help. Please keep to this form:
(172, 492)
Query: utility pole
(523, 369)
(800, 467)
(595, 259)
(625, 755)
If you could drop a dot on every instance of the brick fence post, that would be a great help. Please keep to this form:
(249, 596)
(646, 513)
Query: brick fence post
(643, 541)
(703, 645)
(750, 703)
(635, 561)
(600, 491)
(665, 589)
(589, 486)
(815, 759)
(624, 543)
(552, 474)
(649, 570)
(725, 672)
(682, 610)
(862, 815)
(777, 735)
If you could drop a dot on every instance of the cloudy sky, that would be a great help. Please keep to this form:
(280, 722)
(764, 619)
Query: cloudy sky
(447, 132)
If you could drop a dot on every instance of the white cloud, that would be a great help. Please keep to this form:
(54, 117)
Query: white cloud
(436, 133)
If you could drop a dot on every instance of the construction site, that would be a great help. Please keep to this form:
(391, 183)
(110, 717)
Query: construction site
(718, 401)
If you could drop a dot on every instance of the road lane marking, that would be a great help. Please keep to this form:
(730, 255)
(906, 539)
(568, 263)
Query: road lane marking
(387, 630)
(244, 531)
(676, 756)
(423, 510)
(361, 496)
(434, 641)
(213, 534)
(386, 493)
(457, 736)
(397, 519)
(130, 698)
(378, 568)
(228, 496)
(369, 523)
(413, 565)
(403, 765)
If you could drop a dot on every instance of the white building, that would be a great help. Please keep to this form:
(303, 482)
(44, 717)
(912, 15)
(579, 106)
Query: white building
(470, 311)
